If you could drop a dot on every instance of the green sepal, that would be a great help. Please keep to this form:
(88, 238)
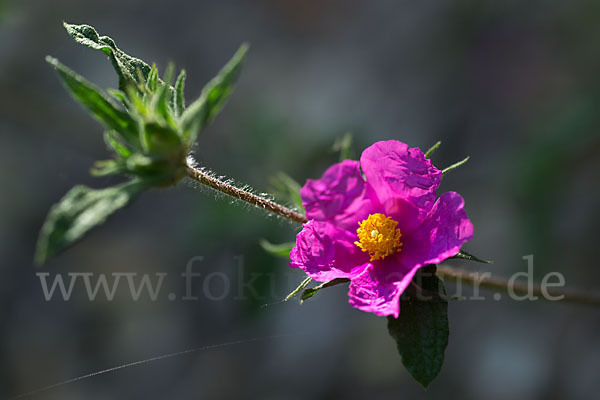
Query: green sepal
(81, 209)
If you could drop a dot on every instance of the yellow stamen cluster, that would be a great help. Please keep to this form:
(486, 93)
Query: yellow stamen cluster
(378, 236)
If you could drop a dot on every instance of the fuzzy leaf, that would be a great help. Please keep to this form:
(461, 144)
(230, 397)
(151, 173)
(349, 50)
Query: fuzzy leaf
(214, 95)
(421, 331)
(126, 66)
(102, 107)
(81, 209)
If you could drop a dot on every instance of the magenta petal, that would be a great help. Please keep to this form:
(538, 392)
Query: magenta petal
(379, 287)
(407, 215)
(394, 170)
(339, 196)
(442, 234)
(326, 252)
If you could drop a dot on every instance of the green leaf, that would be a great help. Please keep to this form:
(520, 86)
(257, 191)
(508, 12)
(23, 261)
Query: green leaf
(421, 330)
(214, 96)
(278, 250)
(81, 209)
(126, 66)
(287, 188)
(179, 99)
(455, 165)
(102, 107)
(310, 292)
(466, 256)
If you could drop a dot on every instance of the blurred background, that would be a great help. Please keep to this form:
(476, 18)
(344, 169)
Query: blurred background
(513, 84)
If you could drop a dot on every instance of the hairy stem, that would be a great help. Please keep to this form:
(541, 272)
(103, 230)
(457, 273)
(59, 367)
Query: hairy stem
(206, 179)
(444, 271)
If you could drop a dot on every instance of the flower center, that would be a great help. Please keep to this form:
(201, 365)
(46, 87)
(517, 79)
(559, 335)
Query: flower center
(378, 236)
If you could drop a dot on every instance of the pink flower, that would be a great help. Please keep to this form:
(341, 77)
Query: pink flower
(378, 230)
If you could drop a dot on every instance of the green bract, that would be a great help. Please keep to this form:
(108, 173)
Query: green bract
(148, 129)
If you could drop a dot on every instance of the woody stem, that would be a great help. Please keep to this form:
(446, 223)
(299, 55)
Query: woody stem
(487, 281)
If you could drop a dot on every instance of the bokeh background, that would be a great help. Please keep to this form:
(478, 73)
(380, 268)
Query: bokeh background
(513, 84)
